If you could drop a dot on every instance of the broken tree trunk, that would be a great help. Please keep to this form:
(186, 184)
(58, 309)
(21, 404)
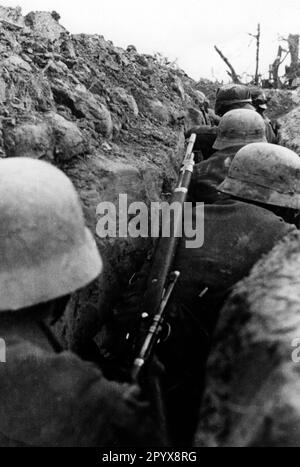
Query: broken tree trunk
(257, 38)
(256, 76)
(275, 68)
(252, 394)
(293, 42)
(235, 78)
(292, 71)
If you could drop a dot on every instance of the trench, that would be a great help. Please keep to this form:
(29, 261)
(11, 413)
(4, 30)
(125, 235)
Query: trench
(144, 106)
(92, 308)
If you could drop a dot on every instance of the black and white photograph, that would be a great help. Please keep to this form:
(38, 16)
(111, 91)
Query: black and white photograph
(149, 227)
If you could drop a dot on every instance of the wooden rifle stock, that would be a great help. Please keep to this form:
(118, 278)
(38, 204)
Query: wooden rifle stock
(162, 281)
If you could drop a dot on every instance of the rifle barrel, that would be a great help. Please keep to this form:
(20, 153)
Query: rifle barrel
(166, 246)
(159, 285)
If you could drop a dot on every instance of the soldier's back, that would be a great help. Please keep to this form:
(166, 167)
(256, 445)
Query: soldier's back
(236, 235)
(208, 175)
(50, 399)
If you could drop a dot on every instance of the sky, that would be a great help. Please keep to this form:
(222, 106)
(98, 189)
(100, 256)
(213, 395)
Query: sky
(184, 30)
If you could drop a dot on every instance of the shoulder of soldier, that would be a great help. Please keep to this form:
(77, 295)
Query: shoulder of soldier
(204, 130)
(261, 217)
(214, 117)
(216, 159)
(57, 371)
(65, 370)
(59, 390)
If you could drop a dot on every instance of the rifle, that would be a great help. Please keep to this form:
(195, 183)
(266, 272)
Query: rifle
(162, 279)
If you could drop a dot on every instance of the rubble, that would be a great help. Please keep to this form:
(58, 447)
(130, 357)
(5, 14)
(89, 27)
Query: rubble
(280, 102)
(289, 122)
(44, 24)
(12, 16)
(112, 119)
(289, 132)
(68, 138)
(28, 140)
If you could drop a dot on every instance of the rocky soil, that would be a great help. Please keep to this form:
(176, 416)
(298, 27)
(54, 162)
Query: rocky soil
(112, 119)
(252, 392)
(290, 124)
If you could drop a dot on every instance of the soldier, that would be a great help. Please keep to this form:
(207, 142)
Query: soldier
(232, 96)
(259, 101)
(237, 128)
(211, 118)
(262, 199)
(205, 122)
(202, 103)
(229, 97)
(253, 214)
(206, 136)
(50, 397)
(262, 179)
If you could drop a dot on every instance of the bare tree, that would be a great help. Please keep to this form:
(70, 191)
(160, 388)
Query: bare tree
(293, 43)
(274, 67)
(232, 73)
(293, 70)
(257, 38)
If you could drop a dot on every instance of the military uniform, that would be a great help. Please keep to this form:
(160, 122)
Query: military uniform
(207, 175)
(47, 253)
(237, 234)
(50, 399)
(271, 135)
(205, 138)
(259, 101)
(237, 128)
(214, 118)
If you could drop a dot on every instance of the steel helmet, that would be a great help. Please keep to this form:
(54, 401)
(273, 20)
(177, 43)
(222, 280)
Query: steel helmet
(200, 97)
(240, 127)
(46, 250)
(232, 96)
(266, 173)
(259, 99)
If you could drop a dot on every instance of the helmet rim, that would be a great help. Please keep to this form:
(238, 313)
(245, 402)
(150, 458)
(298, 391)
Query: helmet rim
(254, 192)
(223, 142)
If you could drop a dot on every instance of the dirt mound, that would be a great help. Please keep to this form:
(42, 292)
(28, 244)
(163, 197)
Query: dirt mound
(209, 88)
(252, 392)
(280, 102)
(289, 125)
(112, 119)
